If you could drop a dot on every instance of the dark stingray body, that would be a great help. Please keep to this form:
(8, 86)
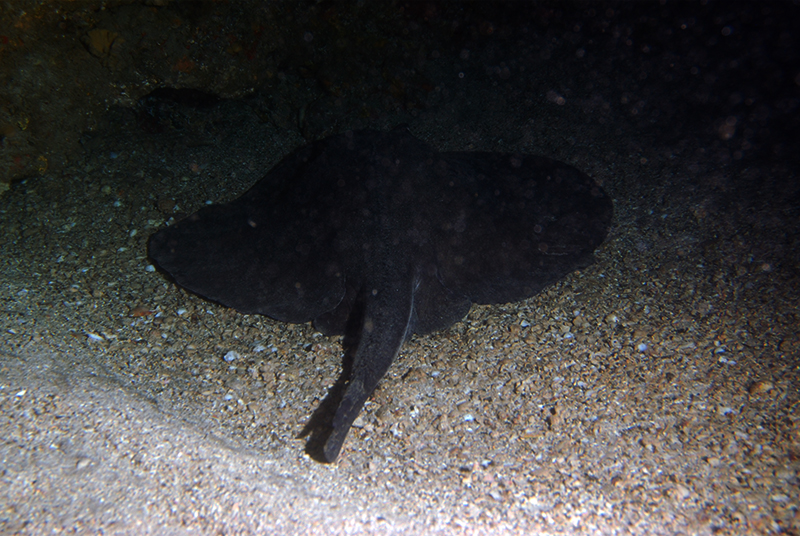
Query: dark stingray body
(379, 235)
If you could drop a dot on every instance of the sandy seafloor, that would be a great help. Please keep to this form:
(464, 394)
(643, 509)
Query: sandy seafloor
(655, 392)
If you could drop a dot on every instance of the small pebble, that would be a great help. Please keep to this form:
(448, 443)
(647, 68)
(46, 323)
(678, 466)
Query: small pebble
(760, 387)
(140, 310)
(682, 492)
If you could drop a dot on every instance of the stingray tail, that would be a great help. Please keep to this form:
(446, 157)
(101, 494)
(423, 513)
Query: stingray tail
(385, 325)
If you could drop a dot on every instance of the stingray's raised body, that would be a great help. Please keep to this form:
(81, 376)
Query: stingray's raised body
(378, 236)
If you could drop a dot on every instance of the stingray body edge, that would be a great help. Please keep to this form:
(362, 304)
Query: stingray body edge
(376, 236)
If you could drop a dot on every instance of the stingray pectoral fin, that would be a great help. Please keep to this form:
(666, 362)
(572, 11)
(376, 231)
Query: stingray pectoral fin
(385, 325)
(515, 224)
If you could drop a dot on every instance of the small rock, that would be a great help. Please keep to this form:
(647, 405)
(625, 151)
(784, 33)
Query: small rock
(760, 387)
(141, 310)
(640, 333)
(682, 492)
(94, 337)
(232, 356)
(166, 205)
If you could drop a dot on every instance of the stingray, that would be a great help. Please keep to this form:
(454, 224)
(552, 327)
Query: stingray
(377, 236)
